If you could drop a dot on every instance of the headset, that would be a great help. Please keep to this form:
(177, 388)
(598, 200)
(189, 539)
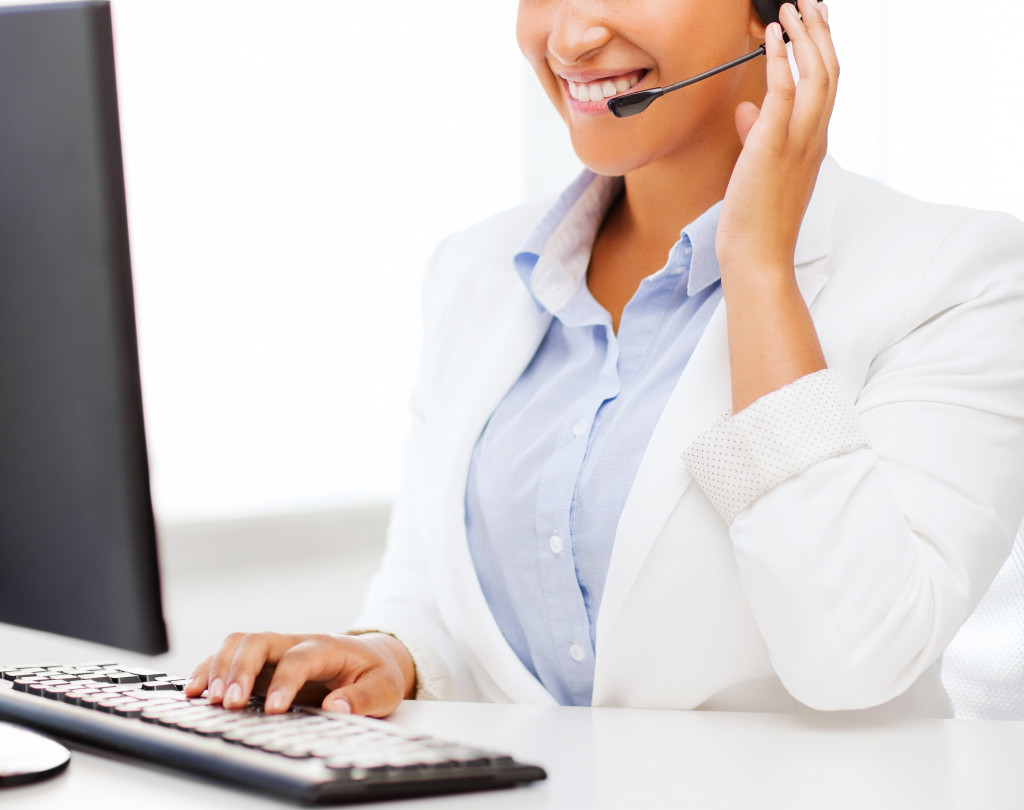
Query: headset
(633, 103)
(768, 10)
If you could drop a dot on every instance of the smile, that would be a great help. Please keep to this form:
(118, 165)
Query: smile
(604, 88)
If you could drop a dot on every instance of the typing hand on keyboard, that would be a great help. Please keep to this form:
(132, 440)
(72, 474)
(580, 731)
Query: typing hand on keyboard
(304, 754)
(368, 674)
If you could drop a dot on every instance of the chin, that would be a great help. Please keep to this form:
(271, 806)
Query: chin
(613, 156)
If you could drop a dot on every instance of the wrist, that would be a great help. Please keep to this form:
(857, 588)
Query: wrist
(759, 264)
(394, 650)
(760, 284)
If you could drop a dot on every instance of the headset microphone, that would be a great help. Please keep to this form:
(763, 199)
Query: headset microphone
(633, 103)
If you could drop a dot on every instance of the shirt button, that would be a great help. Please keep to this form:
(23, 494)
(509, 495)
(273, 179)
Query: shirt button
(579, 428)
(576, 651)
(556, 543)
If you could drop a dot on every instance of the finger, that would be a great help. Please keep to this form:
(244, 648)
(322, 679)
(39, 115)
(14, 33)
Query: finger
(812, 105)
(816, 19)
(747, 114)
(315, 659)
(217, 678)
(777, 108)
(252, 654)
(198, 680)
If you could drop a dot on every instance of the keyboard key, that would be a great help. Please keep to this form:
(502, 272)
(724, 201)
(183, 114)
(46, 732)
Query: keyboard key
(56, 692)
(128, 708)
(159, 686)
(75, 696)
(119, 677)
(143, 674)
(93, 700)
(110, 704)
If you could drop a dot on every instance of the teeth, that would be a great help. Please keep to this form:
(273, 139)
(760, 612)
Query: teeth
(600, 90)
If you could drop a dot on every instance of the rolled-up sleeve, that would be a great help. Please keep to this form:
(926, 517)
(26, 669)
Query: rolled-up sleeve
(783, 433)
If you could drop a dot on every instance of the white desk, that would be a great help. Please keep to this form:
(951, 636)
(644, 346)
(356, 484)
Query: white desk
(623, 759)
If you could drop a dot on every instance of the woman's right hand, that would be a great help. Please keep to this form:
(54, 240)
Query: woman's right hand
(367, 674)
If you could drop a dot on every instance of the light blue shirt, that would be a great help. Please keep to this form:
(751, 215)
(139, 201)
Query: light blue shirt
(551, 471)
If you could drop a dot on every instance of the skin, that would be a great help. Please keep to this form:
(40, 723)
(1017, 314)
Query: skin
(750, 136)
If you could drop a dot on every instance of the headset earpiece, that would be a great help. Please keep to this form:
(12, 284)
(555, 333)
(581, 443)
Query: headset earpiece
(768, 10)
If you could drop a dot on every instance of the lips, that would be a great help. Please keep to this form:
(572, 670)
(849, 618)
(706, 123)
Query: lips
(605, 87)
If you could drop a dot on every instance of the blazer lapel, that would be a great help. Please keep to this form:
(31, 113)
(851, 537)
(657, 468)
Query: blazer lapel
(702, 394)
(509, 332)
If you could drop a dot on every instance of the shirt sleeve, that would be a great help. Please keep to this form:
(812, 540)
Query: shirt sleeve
(743, 455)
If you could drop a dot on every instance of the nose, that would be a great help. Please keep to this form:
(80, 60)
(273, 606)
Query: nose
(577, 32)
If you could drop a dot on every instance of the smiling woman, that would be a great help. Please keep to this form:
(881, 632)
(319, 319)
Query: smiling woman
(723, 427)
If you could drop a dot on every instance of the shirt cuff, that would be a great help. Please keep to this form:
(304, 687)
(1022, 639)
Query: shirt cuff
(742, 456)
(432, 679)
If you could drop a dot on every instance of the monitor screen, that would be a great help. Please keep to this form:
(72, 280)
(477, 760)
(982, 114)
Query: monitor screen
(77, 539)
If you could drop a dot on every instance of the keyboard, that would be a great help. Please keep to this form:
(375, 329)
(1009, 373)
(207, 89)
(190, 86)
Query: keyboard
(305, 755)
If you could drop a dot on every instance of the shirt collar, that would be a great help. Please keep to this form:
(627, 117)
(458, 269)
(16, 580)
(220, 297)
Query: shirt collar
(553, 259)
(700, 236)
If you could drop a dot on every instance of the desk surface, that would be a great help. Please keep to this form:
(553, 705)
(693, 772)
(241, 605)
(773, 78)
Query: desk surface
(624, 758)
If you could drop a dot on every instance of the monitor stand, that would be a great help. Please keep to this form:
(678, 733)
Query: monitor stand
(27, 756)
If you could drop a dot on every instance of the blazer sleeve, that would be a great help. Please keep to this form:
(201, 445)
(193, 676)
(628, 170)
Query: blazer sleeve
(401, 600)
(861, 557)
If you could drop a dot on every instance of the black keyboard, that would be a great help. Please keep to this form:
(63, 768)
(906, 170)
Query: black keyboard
(304, 755)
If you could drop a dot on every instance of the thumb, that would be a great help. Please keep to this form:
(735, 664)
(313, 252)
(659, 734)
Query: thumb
(337, 702)
(370, 697)
(747, 114)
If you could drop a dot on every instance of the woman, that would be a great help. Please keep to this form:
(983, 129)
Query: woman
(816, 549)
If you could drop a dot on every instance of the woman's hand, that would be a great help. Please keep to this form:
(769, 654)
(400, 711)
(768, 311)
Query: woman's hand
(784, 143)
(772, 340)
(368, 674)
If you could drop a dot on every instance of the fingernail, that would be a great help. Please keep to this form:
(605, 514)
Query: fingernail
(338, 705)
(234, 695)
(191, 682)
(275, 702)
(776, 31)
(217, 689)
(824, 11)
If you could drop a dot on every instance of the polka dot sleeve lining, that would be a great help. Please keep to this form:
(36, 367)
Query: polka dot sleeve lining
(780, 435)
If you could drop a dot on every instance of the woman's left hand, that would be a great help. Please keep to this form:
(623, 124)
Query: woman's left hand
(784, 144)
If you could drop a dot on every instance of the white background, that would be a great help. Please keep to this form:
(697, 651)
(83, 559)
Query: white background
(291, 164)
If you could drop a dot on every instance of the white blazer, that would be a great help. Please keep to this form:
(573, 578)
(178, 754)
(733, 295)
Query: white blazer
(840, 587)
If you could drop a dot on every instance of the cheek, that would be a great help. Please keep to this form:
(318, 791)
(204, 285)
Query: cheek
(530, 31)
(532, 36)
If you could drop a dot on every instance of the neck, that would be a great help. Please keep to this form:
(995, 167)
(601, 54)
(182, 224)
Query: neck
(663, 197)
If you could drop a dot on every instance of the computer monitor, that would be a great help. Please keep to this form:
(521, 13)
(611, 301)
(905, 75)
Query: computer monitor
(78, 550)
